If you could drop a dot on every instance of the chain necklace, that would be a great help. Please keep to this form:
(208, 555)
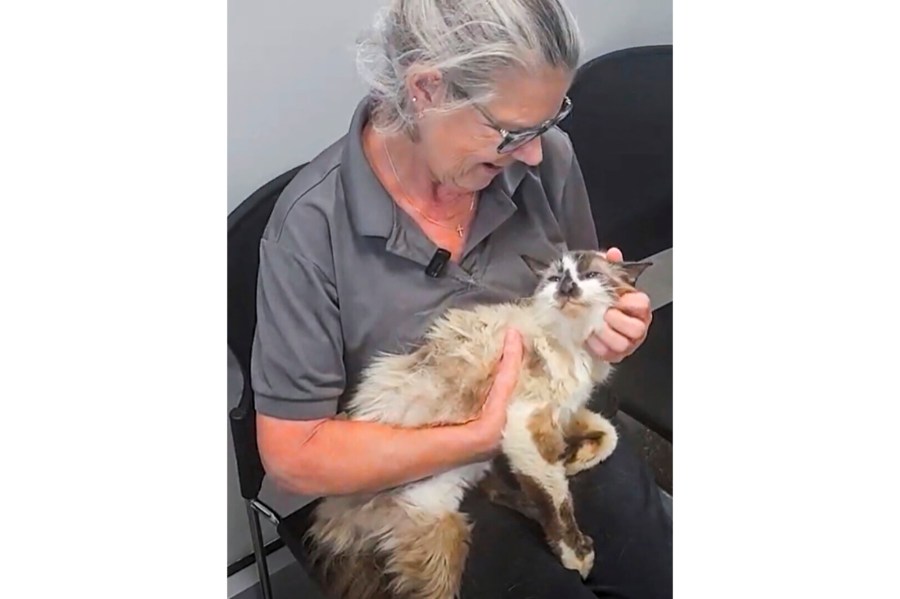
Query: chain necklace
(460, 230)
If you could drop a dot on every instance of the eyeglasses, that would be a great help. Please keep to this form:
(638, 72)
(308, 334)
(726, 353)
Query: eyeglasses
(513, 140)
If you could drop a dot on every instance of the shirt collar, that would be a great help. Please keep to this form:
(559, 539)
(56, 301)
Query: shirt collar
(370, 207)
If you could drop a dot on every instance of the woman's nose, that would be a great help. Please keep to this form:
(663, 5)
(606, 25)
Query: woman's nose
(530, 153)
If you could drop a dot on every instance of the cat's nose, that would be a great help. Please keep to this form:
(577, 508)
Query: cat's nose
(567, 287)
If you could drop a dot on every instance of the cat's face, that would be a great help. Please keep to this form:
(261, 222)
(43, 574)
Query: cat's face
(584, 281)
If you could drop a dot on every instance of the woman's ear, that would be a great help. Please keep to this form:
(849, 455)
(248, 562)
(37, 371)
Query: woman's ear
(425, 89)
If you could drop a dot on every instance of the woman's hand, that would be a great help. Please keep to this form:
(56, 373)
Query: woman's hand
(487, 429)
(626, 324)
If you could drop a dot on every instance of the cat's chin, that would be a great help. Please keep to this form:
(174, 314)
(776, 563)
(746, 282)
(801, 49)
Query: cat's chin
(576, 310)
(572, 308)
(572, 322)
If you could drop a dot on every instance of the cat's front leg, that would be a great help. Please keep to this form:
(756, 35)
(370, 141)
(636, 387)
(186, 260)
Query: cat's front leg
(534, 445)
(589, 439)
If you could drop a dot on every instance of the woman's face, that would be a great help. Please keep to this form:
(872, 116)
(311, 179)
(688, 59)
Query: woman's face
(460, 146)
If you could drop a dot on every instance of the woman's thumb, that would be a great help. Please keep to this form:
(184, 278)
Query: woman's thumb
(510, 363)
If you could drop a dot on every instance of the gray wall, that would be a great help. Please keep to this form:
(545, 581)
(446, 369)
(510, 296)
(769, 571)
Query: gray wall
(291, 89)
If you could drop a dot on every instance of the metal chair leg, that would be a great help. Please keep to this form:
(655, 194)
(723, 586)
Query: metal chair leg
(259, 551)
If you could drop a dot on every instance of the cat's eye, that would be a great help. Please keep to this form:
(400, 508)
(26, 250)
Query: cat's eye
(591, 274)
(553, 278)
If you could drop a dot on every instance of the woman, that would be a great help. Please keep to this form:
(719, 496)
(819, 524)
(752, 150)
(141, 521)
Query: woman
(454, 148)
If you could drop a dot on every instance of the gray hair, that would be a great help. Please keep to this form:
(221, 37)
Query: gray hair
(467, 41)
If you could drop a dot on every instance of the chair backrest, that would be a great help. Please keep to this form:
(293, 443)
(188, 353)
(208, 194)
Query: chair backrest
(246, 224)
(621, 128)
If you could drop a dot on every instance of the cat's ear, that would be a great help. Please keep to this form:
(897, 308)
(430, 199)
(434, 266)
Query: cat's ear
(536, 266)
(633, 270)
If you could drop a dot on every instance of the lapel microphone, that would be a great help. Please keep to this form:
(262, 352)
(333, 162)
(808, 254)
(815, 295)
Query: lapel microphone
(438, 263)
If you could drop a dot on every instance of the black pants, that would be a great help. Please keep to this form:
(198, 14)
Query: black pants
(616, 503)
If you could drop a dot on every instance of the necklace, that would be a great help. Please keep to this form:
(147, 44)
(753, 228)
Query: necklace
(460, 230)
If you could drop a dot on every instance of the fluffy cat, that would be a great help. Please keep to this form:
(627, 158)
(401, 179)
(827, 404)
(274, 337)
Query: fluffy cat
(412, 541)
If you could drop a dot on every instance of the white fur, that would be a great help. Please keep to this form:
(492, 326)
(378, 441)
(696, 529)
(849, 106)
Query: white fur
(571, 561)
(443, 493)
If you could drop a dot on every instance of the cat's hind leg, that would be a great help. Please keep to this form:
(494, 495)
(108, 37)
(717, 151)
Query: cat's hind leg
(589, 439)
(502, 488)
(534, 446)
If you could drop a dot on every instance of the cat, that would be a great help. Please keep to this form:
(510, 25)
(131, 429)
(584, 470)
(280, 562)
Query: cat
(412, 541)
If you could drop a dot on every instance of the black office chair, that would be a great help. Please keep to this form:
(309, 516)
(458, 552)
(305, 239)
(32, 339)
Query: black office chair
(621, 129)
(245, 228)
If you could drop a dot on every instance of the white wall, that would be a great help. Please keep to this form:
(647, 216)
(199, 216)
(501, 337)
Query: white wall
(292, 84)
(292, 87)
(608, 25)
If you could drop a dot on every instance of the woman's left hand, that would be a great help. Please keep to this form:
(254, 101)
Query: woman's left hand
(625, 326)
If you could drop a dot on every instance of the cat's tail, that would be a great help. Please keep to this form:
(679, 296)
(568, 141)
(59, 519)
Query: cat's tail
(592, 439)
(342, 543)
(386, 548)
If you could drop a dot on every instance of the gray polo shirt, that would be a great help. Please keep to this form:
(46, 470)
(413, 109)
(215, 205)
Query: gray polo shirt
(342, 268)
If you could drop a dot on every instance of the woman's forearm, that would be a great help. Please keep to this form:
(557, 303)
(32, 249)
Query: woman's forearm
(336, 457)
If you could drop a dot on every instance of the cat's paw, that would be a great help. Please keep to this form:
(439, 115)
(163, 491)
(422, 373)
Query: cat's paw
(580, 558)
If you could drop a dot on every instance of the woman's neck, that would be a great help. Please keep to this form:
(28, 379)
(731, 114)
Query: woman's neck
(443, 215)
(405, 170)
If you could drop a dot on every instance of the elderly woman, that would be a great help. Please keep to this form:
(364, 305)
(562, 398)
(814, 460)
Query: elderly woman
(451, 171)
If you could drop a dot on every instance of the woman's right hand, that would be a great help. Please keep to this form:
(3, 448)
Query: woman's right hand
(487, 429)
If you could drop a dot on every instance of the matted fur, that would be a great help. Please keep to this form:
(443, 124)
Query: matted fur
(415, 532)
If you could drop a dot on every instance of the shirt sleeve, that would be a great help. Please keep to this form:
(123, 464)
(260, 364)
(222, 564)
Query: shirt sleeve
(297, 364)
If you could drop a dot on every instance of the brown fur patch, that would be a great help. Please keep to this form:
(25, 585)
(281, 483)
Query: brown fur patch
(356, 576)
(348, 565)
(584, 261)
(429, 557)
(543, 504)
(578, 448)
(579, 424)
(580, 543)
(511, 496)
(502, 469)
(583, 440)
(471, 397)
(535, 364)
(547, 437)
(559, 525)
(579, 433)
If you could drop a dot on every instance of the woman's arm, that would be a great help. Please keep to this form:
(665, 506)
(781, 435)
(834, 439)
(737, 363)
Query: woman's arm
(335, 457)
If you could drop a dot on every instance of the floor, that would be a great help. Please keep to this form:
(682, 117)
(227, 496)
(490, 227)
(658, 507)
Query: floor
(285, 582)
(284, 572)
